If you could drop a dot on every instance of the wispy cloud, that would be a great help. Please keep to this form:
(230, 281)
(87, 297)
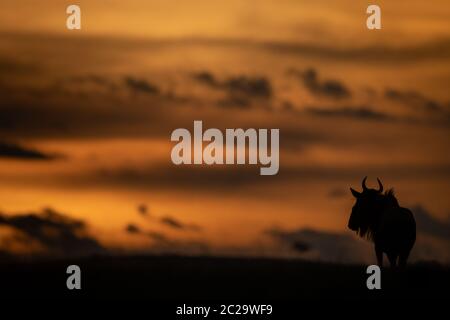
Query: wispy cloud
(428, 224)
(330, 88)
(414, 99)
(177, 224)
(360, 112)
(16, 151)
(141, 85)
(241, 91)
(322, 245)
(239, 88)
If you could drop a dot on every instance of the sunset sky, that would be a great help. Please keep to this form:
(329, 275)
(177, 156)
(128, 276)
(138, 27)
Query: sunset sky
(86, 117)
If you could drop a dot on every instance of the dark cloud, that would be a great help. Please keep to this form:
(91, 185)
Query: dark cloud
(13, 66)
(427, 224)
(166, 220)
(171, 222)
(287, 106)
(16, 151)
(141, 85)
(143, 209)
(59, 234)
(169, 176)
(133, 229)
(327, 88)
(238, 86)
(70, 82)
(91, 84)
(323, 246)
(439, 49)
(161, 243)
(361, 113)
(217, 178)
(301, 246)
(67, 108)
(206, 78)
(367, 113)
(156, 236)
(252, 86)
(58, 116)
(416, 100)
(176, 224)
(232, 101)
(384, 53)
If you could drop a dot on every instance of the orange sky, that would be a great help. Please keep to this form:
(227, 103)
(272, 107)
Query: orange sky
(74, 94)
(338, 21)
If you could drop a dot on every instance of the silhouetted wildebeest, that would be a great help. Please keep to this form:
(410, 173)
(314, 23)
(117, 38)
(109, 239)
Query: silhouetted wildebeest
(377, 216)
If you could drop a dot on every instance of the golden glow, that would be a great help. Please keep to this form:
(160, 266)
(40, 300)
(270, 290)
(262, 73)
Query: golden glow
(115, 142)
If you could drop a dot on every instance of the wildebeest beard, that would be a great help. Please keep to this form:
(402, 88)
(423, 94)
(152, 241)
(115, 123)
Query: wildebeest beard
(369, 220)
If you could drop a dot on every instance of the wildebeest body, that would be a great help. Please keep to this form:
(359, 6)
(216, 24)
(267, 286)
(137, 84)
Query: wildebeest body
(378, 216)
(396, 234)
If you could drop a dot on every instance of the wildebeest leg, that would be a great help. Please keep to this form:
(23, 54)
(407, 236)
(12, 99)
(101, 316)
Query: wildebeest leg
(379, 254)
(402, 259)
(392, 259)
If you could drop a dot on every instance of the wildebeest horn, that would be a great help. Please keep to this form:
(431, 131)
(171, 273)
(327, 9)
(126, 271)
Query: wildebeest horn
(380, 186)
(364, 183)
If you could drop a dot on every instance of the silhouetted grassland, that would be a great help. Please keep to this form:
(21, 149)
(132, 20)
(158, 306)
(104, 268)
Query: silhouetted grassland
(217, 279)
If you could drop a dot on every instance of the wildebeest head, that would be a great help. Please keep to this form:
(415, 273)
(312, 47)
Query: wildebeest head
(366, 209)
